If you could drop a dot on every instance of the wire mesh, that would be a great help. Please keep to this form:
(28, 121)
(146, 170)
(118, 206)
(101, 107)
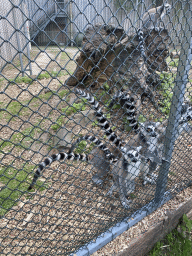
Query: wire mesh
(48, 49)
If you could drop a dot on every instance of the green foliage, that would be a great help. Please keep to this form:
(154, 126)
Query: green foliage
(19, 139)
(178, 242)
(158, 119)
(186, 226)
(106, 86)
(74, 108)
(126, 124)
(47, 75)
(174, 63)
(62, 93)
(5, 146)
(43, 75)
(56, 73)
(1, 81)
(132, 196)
(101, 94)
(68, 111)
(95, 123)
(172, 173)
(14, 108)
(16, 183)
(64, 56)
(142, 119)
(20, 80)
(82, 147)
(166, 91)
(116, 106)
(58, 124)
(46, 96)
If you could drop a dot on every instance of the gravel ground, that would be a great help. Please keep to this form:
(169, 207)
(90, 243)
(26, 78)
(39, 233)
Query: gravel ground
(123, 241)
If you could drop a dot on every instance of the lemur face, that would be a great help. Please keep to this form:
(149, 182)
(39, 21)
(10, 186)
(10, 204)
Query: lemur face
(186, 114)
(131, 155)
(149, 129)
(167, 8)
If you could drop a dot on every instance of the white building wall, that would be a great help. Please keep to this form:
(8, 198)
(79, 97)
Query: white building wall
(11, 41)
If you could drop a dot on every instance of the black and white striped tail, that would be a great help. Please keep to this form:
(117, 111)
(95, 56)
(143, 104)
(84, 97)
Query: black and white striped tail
(128, 102)
(102, 120)
(98, 143)
(141, 44)
(56, 157)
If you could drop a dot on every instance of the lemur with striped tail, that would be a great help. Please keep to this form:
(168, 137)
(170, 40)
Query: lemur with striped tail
(134, 156)
(131, 158)
(73, 156)
(150, 135)
(151, 19)
(131, 155)
(126, 170)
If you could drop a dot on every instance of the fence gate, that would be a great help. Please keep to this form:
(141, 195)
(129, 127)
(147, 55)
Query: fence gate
(95, 120)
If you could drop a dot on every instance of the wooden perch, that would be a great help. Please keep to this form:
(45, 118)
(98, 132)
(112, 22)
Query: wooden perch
(108, 54)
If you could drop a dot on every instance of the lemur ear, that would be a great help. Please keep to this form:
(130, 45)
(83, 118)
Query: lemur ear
(123, 149)
(189, 110)
(157, 124)
(139, 148)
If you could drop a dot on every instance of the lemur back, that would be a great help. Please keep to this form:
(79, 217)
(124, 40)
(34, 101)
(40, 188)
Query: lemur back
(152, 18)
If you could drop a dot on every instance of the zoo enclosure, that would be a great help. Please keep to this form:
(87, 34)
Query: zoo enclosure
(40, 115)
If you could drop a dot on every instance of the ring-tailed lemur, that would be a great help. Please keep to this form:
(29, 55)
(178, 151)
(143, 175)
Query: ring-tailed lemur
(149, 135)
(152, 136)
(152, 19)
(147, 150)
(126, 170)
(125, 150)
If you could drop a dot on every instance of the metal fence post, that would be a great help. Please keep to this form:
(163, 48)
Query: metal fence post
(177, 100)
(18, 39)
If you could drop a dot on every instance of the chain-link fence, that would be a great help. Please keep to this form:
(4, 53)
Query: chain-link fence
(104, 82)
